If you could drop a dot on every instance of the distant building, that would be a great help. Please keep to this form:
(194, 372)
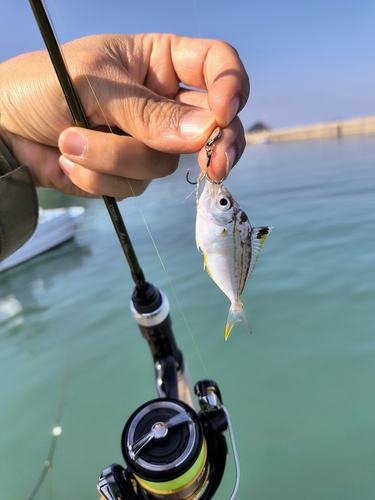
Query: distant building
(259, 133)
(258, 127)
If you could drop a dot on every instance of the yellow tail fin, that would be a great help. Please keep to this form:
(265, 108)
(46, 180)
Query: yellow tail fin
(233, 317)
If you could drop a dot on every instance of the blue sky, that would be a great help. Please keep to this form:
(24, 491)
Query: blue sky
(308, 61)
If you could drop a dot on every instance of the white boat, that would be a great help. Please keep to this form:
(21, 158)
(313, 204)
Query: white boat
(55, 226)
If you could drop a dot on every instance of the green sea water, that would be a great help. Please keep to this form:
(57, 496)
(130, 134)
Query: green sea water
(300, 389)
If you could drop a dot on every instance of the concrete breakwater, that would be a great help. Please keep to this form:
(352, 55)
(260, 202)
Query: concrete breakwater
(356, 126)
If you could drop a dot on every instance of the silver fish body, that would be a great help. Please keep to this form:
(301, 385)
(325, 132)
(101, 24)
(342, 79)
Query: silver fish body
(230, 246)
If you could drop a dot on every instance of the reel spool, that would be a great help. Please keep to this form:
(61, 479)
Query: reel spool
(164, 447)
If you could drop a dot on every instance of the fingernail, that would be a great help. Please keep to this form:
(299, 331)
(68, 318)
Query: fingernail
(74, 144)
(196, 122)
(233, 107)
(66, 165)
(230, 155)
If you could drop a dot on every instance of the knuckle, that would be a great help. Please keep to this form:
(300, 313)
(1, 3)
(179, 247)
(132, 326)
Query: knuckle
(157, 114)
(92, 185)
(87, 181)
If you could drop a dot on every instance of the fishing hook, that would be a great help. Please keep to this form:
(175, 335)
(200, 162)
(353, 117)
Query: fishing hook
(210, 147)
(201, 176)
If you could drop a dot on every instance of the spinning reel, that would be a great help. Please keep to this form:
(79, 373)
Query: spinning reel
(171, 452)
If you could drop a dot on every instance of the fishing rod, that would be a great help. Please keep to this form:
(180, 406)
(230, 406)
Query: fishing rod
(80, 119)
(173, 448)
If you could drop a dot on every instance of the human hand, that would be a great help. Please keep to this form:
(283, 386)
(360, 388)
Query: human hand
(136, 81)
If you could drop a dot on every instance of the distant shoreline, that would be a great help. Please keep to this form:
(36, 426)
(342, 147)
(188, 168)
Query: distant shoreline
(356, 126)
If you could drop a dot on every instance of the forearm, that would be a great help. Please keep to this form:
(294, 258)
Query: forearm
(18, 204)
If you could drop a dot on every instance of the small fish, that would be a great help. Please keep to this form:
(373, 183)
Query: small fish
(230, 246)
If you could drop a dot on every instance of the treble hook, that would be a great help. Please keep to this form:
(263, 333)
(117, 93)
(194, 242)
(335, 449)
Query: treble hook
(210, 147)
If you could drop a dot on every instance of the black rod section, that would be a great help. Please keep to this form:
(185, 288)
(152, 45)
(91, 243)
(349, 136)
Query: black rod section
(80, 119)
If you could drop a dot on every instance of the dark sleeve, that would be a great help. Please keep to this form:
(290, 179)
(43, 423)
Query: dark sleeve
(18, 204)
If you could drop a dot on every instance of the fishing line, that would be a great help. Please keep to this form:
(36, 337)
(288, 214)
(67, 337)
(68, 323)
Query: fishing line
(109, 200)
(171, 287)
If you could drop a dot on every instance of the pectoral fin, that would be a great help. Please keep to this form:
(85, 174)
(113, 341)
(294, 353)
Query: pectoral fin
(258, 237)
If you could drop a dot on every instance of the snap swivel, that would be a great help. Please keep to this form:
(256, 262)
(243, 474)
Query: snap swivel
(210, 147)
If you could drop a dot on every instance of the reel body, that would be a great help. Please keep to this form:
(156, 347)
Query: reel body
(171, 453)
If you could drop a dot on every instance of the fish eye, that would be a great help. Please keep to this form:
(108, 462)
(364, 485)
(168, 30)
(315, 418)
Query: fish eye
(224, 203)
